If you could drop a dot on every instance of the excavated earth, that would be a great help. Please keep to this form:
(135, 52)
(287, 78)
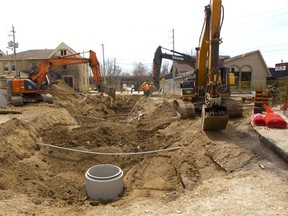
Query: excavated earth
(225, 172)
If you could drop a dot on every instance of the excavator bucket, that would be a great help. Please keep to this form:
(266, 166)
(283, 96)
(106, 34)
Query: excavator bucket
(214, 118)
(109, 90)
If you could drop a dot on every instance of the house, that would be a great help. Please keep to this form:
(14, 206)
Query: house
(76, 76)
(250, 71)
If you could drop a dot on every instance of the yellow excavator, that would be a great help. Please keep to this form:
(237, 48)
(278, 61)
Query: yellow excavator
(209, 91)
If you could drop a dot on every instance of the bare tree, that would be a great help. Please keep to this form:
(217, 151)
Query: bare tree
(164, 68)
(111, 68)
(140, 70)
(125, 73)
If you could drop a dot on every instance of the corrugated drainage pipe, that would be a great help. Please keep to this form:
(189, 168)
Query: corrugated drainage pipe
(104, 182)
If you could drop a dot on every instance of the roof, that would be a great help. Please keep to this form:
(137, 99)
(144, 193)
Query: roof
(62, 45)
(30, 54)
(248, 54)
(182, 66)
(37, 53)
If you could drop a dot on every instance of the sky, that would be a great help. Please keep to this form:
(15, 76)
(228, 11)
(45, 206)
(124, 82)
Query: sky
(131, 30)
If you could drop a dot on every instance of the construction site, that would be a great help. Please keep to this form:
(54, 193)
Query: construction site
(229, 172)
(203, 150)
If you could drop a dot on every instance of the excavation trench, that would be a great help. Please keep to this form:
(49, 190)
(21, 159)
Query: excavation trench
(57, 176)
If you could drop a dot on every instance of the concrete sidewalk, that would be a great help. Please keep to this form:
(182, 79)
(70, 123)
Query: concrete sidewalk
(275, 139)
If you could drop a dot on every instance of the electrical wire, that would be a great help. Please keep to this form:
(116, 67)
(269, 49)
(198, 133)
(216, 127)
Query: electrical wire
(109, 153)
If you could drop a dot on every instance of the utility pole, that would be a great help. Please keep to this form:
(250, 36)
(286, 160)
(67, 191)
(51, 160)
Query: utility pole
(114, 67)
(13, 45)
(173, 75)
(104, 68)
(173, 39)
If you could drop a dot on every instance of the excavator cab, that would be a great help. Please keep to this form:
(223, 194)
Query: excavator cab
(188, 88)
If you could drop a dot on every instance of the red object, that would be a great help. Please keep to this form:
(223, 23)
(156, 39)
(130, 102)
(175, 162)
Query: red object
(274, 120)
(268, 109)
(259, 120)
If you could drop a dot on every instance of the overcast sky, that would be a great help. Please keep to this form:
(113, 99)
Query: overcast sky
(131, 30)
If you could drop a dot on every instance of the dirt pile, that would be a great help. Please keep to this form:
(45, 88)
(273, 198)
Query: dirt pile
(54, 178)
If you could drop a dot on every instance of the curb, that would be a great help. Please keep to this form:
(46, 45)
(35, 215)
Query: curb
(280, 152)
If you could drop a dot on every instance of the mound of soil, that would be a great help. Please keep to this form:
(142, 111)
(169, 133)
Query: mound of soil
(49, 180)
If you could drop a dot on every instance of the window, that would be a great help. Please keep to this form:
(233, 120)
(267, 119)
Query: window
(13, 67)
(63, 52)
(246, 76)
(280, 68)
(6, 67)
(3, 83)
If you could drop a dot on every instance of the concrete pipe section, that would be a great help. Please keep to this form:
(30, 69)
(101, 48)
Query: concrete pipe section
(104, 182)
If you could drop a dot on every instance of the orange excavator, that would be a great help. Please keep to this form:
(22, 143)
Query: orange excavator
(35, 87)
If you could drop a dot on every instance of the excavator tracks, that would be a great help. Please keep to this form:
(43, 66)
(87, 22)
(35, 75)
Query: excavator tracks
(184, 109)
(212, 118)
(20, 100)
(46, 97)
(17, 100)
(234, 107)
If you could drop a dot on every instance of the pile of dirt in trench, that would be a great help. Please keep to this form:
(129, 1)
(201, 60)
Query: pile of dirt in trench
(56, 176)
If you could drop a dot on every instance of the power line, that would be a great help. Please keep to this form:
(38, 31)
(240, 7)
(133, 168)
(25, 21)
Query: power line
(255, 18)
(263, 47)
(145, 63)
(257, 14)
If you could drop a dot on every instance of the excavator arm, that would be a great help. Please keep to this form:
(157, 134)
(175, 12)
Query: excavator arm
(95, 66)
(214, 113)
(40, 73)
(157, 62)
(209, 44)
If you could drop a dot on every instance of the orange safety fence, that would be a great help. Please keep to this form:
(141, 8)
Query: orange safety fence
(268, 109)
(258, 120)
(274, 120)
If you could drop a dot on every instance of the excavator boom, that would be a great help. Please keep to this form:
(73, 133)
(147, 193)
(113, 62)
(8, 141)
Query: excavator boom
(157, 62)
(214, 114)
